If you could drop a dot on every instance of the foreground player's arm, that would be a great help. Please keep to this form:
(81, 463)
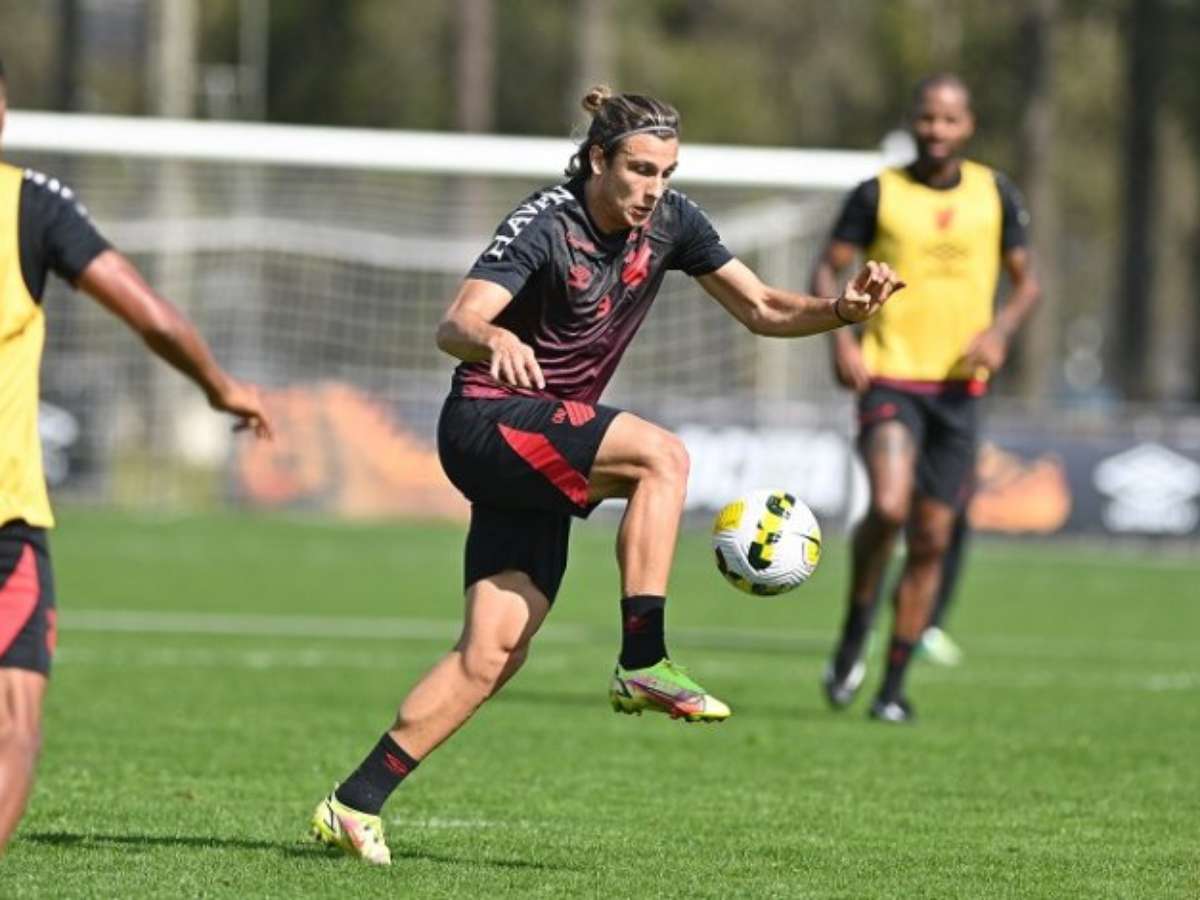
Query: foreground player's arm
(848, 365)
(467, 333)
(113, 281)
(773, 312)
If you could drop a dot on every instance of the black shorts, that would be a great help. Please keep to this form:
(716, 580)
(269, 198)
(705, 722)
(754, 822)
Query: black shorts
(524, 464)
(28, 630)
(945, 429)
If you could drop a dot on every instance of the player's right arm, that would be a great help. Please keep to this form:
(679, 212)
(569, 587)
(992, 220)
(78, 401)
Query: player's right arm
(467, 332)
(117, 285)
(848, 365)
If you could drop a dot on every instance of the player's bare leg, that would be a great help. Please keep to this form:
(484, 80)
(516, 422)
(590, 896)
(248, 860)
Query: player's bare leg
(21, 694)
(890, 455)
(928, 537)
(928, 540)
(649, 466)
(503, 613)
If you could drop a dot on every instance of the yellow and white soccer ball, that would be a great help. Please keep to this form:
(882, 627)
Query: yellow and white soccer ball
(767, 542)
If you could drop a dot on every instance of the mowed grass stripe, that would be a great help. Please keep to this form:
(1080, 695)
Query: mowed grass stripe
(1059, 761)
(393, 628)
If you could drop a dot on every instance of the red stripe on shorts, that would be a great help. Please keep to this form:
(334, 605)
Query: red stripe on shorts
(18, 598)
(578, 413)
(537, 450)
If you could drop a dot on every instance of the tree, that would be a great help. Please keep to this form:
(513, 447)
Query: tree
(1133, 305)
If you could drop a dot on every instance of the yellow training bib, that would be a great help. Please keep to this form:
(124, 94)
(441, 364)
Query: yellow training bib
(22, 334)
(946, 245)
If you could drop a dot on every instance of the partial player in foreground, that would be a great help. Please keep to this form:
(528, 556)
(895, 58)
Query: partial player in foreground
(922, 366)
(540, 324)
(43, 228)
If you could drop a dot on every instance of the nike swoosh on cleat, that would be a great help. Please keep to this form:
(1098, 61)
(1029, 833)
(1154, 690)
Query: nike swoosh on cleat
(670, 700)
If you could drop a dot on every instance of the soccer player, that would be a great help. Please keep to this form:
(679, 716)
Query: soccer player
(43, 228)
(922, 365)
(539, 325)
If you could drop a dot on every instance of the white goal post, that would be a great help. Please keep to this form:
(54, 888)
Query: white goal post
(427, 152)
(318, 261)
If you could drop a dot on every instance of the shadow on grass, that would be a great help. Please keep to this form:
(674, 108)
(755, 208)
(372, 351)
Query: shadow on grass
(141, 842)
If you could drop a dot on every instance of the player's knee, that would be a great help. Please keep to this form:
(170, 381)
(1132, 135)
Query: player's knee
(483, 666)
(21, 738)
(668, 459)
(890, 511)
(926, 544)
(516, 658)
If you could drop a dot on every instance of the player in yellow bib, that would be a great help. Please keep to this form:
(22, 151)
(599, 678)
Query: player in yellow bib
(920, 367)
(44, 228)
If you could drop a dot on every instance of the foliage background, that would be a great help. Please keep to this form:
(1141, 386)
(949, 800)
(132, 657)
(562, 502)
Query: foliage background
(1091, 105)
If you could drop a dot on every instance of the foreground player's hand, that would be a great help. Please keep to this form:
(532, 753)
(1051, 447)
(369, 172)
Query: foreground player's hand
(987, 350)
(242, 400)
(513, 362)
(867, 292)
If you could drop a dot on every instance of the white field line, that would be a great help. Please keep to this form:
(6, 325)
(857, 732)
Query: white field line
(331, 659)
(401, 628)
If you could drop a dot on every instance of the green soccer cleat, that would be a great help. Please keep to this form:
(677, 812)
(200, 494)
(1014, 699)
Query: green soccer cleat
(357, 833)
(939, 648)
(664, 687)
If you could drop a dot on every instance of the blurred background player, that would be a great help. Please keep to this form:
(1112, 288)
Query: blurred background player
(43, 228)
(540, 324)
(921, 366)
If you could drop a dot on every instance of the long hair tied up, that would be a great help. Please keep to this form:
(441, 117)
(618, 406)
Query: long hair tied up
(616, 117)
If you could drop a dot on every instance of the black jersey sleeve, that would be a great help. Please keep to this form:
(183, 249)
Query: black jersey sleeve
(523, 243)
(856, 223)
(699, 250)
(56, 233)
(1014, 228)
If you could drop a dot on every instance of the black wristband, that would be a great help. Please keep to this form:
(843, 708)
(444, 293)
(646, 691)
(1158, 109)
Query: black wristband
(837, 312)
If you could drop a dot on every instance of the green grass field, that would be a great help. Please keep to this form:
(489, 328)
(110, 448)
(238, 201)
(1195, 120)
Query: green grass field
(216, 675)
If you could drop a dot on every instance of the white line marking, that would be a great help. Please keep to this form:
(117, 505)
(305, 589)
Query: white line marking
(330, 659)
(398, 628)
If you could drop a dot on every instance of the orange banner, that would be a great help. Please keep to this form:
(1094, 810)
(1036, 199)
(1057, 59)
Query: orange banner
(1018, 495)
(336, 450)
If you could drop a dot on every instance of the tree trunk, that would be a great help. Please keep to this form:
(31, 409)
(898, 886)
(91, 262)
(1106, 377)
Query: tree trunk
(475, 84)
(66, 87)
(594, 51)
(1134, 304)
(1038, 343)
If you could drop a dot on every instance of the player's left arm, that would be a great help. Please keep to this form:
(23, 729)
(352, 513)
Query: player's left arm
(989, 348)
(773, 312)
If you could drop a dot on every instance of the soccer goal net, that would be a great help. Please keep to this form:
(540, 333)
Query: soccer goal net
(318, 263)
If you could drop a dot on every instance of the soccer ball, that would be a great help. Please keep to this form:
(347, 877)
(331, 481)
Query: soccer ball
(767, 542)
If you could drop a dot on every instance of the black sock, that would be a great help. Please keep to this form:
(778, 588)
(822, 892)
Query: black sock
(899, 653)
(854, 632)
(642, 641)
(377, 776)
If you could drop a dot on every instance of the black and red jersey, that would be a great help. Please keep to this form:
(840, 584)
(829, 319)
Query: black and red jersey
(579, 295)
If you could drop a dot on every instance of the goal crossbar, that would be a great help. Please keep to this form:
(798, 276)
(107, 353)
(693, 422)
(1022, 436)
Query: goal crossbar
(426, 152)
